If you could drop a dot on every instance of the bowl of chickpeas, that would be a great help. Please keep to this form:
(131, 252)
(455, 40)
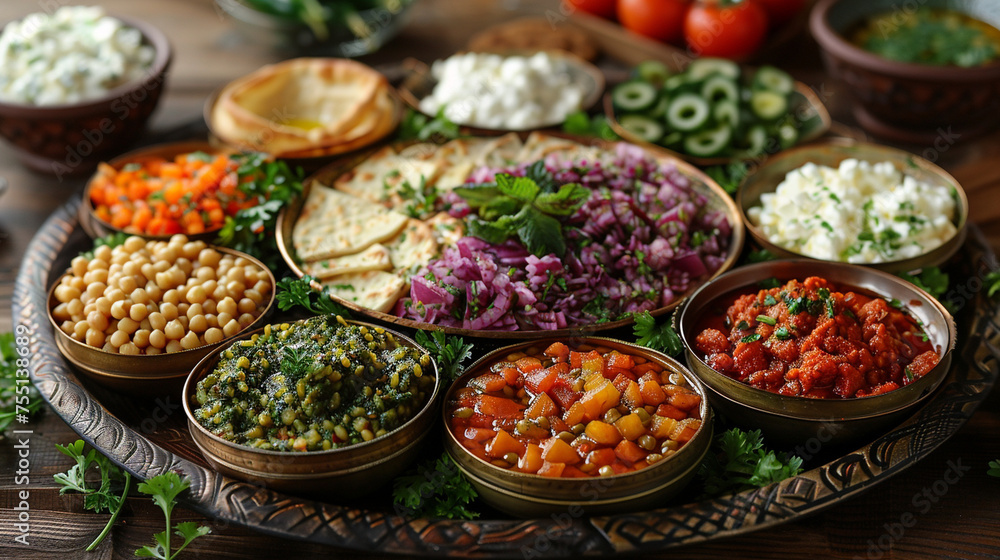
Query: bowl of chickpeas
(138, 317)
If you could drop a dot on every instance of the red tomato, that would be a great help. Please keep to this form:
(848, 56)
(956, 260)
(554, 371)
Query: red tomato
(662, 20)
(601, 8)
(781, 11)
(728, 30)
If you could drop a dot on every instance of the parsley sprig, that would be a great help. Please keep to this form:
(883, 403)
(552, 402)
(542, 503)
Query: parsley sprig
(436, 489)
(97, 499)
(994, 469)
(738, 461)
(418, 126)
(524, 207)
(164, 489)
(932, 280)
(273, 184)
(17, 394)
(450, 352)
(298, 292)
(660, 336)
(112, 240)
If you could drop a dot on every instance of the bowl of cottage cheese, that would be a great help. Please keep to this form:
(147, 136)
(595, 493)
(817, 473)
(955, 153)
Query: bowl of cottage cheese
(858, 203)
(77, 86)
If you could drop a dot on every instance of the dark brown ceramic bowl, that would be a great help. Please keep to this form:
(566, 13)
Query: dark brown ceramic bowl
(909, 102)
(346, 472)
(95, 227)
(530, 495)
(792, 421)
(66, 140)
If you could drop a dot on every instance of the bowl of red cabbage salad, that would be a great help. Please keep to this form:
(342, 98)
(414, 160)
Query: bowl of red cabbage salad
(556, 244)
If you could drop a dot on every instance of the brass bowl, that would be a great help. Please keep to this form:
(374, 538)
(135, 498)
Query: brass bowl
(144, 375)
(419, 83)
(717, 198)
(96, 227)
(789, 420)
(346, 472)
(765, 179)
(806, 106)
(531, 495)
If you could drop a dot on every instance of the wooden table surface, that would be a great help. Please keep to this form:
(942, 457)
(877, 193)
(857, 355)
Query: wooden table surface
(964, 522)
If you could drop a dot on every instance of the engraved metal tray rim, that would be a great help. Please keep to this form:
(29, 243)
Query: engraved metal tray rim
(233, 501)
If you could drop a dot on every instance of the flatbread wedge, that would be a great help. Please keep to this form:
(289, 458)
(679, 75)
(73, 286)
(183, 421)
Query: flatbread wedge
(375, 290)
(380, 177)
(375, 257)
(413, 248)
(539, 146)
(333, 224)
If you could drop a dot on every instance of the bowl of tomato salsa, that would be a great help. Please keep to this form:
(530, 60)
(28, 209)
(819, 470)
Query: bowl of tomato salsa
(589, 423)
(805, 349)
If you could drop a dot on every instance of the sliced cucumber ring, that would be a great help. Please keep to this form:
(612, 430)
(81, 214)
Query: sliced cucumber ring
(708, 143)
(788, 135)
(634, 96)
(727, 112)
(718, 88)
(652, 71)
(687, 112)
(644, 127)
(701, 68)
(768, 105)
(756, 140)
(769, 77)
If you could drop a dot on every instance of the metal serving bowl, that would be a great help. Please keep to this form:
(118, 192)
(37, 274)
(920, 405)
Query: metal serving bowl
(95, 227)
(531, 495)
(142, 374)
(346, 472)
(792, 420)
(765, 179)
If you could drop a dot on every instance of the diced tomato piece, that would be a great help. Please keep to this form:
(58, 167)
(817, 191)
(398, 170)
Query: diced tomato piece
(559, 351)
(632, 396)
(622, 380)
(556, 450)
(618, 360)
(498, 407)
(685, 401)
(593, 362)
(652, 393)
(540, 381)
(572, 472)
(576, 359)
(561, 368)
(564, 396)
(685, 430)
(598, 401)
(540, 406)
(629, 451)
(489, 382)
(512, 376)
(553, 470)
(620, 468)
(642, 369)
(671, 411)
(479, 434)
(649, 376)
(557, 424)
(574, 414)
(601, 457)
(662, 427)
(584, 446)
(528, 364)
(502, 444)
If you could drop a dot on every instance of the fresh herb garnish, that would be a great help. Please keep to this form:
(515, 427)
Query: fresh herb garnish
(769, 300)
(523, 207)
(742, 326)
(298, 292)
(728, 176)
(761, 255)
(418, 126)
(581, 124)
(273, 184)
(164, 489)
(437, 489)
(750, 338)
(112, 240)
(766, 320)
(450, 352)
(98, 499)
(781, 333)
(909, 374)
(660, 337)
(17, 395)
(738, 461)
(932, 280)
(422, 199)
(896, 303)
(994, 469)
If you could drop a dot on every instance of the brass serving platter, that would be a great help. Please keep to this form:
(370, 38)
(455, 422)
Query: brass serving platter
(149, 436)
(717, 200)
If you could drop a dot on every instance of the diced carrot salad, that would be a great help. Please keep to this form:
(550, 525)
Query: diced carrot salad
(192, 194)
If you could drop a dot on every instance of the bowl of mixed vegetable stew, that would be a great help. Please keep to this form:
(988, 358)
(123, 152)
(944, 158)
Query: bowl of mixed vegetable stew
(334, 406)
(918, 72)
(589, 422)
(806, 349)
